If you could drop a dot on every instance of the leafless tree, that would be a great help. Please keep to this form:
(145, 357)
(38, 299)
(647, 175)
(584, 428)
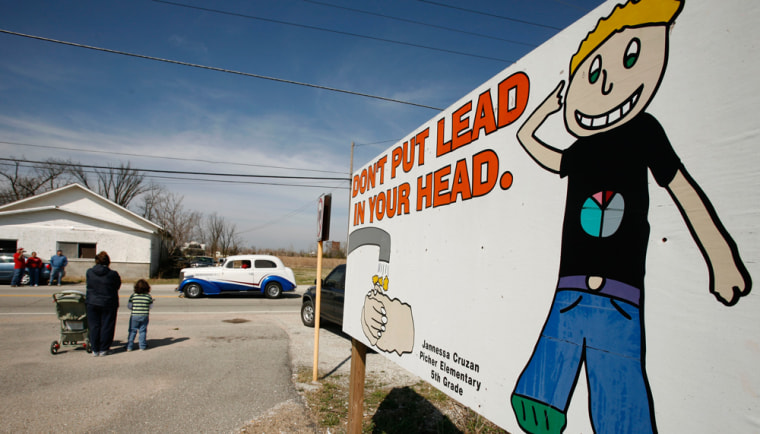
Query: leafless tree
(120, 184)
(229, 240)
(212, 231)
(151, 200)
(219, 235)
(22, 179)
(166, 210)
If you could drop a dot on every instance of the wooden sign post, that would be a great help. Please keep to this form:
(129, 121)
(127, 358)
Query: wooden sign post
(356, 387)
(323, 233)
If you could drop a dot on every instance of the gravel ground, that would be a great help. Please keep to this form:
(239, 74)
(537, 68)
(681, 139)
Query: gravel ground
(293, 416)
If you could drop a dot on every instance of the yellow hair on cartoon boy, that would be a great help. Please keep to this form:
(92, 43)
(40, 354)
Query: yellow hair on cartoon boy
(634, 13)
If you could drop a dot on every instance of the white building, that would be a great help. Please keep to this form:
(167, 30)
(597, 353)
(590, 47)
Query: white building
(81, 223)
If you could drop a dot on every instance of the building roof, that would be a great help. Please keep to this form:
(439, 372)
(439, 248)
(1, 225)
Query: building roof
(78, 200)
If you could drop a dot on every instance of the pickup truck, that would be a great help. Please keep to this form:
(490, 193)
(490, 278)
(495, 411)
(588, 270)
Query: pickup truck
(242, 273)
(333, 295)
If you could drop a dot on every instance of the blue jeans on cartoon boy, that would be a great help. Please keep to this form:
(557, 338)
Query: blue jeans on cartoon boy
(138, 324)
(606, 334)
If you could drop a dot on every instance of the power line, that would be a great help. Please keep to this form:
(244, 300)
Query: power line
(322, 29)
(180, 172)
(279, 219)
(571, 5)
(376, 143)
(213, 68)
(472, 11)
(222, 181)
(89, 169)
(406, 20)
(168, 158)
(217, 181)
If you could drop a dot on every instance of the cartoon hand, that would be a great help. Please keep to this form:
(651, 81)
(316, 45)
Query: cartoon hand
(373, 318)
(729, 278)
(729, 282)
(545, 155)
(552, 103)
(388, 324)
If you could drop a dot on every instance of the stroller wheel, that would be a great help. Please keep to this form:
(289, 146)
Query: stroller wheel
(54, 347)
(88, 347)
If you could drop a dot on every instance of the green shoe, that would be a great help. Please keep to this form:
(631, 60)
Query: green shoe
(536, 417)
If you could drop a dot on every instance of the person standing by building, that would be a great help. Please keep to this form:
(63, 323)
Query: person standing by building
(58, 263)
(140, 303)
(102, 300)
(34, 266)
(19, 263)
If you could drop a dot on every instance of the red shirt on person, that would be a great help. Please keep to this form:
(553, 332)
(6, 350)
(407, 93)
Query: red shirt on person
(34, 262)
(18, 259)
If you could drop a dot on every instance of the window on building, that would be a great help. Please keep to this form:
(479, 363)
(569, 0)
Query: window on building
(8, 246)
(78, 250)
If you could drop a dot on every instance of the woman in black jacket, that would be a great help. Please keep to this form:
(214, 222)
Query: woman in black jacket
(102, 304)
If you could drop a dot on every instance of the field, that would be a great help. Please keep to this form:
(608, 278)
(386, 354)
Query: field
(305, 267)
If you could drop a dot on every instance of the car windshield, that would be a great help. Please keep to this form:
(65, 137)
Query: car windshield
(337, 278)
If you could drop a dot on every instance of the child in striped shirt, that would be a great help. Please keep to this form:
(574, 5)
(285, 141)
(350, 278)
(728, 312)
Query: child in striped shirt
(139, 303)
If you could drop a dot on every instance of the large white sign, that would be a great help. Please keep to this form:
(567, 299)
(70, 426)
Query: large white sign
(571, 246)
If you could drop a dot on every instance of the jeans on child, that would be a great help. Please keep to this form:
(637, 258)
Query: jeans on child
(138, 324)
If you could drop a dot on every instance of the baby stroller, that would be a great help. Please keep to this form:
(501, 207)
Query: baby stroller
(72, 312)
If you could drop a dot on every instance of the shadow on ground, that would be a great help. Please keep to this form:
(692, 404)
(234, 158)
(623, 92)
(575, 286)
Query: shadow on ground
(244, 294)
(404, 410)
(119, 346)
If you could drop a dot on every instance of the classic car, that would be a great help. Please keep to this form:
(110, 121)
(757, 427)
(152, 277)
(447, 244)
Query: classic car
(242, 273)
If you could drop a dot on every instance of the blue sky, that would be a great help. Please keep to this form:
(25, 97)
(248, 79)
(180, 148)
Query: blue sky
(101, 108)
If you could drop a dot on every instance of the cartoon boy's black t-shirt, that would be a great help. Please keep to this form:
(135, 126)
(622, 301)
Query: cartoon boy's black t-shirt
(605, 232)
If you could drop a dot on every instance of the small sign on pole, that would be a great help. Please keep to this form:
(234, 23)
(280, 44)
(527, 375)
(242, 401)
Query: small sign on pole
(323, 217)
(323, 233)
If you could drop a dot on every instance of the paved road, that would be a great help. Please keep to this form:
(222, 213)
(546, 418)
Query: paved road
(212, 365)
(38, 300)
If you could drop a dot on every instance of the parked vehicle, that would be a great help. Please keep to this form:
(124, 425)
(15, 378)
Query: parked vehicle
(331, 300)
(6, 271)
(242, 273)
(202, 261)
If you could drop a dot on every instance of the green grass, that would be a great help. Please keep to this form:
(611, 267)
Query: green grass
(416, 408)
(305, 276)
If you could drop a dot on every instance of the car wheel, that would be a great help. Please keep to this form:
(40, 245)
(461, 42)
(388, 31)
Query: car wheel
(25, 278)
(193, 290)
(307, 313)
(273, 290)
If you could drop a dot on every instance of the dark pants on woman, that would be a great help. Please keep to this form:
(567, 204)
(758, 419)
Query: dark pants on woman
(102, 323)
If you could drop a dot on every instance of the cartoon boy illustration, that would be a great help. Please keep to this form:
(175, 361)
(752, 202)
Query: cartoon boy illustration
(596, 316)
